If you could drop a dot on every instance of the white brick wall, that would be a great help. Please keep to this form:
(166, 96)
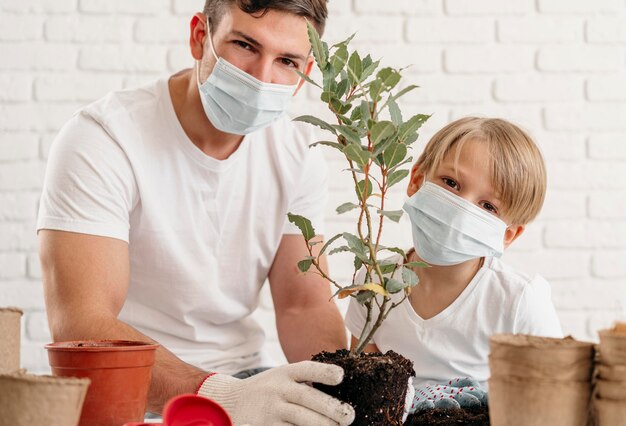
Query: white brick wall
(554, 66)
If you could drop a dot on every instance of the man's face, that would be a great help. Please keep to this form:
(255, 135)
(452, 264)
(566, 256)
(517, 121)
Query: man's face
(269, 48)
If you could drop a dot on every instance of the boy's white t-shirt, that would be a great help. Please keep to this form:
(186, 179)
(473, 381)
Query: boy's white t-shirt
(455, 342)
(202, 233)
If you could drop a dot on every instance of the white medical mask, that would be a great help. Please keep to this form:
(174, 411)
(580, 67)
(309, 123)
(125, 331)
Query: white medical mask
(448, 230)
(236, 102)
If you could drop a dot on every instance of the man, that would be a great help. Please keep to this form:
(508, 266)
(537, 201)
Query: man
(164, 210)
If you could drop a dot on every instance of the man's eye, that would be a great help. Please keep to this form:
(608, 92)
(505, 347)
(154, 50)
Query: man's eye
(288, 62)
(242, 44)
(451, 183)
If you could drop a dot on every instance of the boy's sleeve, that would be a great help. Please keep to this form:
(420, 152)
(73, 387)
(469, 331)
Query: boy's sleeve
(535, 312)
(89, 186)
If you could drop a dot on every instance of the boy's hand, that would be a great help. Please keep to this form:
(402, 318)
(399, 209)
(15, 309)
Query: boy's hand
(457, 393)
(281, 395)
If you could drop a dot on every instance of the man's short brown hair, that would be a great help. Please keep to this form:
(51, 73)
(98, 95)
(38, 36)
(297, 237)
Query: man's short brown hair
(313, 10)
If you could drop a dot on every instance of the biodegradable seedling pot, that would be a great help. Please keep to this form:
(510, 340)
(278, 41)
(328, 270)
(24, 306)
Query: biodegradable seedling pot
(10, 321)
(579, 371)
(612, 373)
(41, 400)
(518, 402)
(120, 373)
(610, 413)
(613, 390)
(612, 347)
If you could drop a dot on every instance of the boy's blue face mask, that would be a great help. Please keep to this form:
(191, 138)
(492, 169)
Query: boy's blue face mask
(448, 230)
(235, 102)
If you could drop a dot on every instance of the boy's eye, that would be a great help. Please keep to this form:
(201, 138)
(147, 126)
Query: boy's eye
(451, 183)
(489, 207)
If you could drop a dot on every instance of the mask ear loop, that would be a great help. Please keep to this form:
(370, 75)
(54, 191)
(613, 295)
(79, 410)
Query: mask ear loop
(208, 30)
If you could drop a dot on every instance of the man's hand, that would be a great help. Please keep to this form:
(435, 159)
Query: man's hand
(281, 396)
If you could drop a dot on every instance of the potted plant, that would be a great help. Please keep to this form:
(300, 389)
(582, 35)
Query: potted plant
(372, 134)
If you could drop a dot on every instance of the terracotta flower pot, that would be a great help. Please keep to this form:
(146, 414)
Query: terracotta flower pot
(41, 400)
(120, 373)
(10, 321)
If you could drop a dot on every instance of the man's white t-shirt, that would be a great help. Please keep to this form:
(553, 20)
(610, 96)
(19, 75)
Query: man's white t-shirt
(202, 233)
(455, 342)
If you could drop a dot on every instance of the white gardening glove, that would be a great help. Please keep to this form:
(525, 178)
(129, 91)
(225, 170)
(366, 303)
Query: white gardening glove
(281, 396)
(408, 400)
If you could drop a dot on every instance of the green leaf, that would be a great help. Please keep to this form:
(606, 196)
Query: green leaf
(354, 242)
(307, 79)
(417, 265)
(304, 224)
(393, 285)
(345, 42)
(342, 87)
(394, 154)
(394, 112)
(409, 277)
(411, 126)
(396, 176)
(339, 250)
(358, 263)
(305, 264)
(404, 91)
(357, 154)
(406, 161)
(381, 130)
(367, 61)
(346, 207)
(364, 296)
(319, 51)
(328, 143)
(340, 58)
(369, 70)
(387, 267)
(316, 122)
(376, 88)
(365, 111)
(394, 215)
(396, 250)
(360, 190)
(389, 77)
(349, 133)
(354, 68)
(328, 243)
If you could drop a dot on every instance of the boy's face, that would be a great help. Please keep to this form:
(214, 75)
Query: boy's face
(269, 47)
(466, 172)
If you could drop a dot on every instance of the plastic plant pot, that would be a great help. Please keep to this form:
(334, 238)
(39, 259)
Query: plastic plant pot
(120, 373)
(191, 410)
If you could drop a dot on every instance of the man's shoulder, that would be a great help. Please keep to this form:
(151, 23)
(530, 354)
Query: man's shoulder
(126, 101)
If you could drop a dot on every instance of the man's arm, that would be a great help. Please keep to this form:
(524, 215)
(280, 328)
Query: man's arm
(307, 320)
(86, 280)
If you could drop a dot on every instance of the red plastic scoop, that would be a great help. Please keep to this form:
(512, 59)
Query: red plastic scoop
(191, 410)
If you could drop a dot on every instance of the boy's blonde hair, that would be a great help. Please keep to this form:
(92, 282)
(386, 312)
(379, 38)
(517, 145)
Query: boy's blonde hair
(517, 168)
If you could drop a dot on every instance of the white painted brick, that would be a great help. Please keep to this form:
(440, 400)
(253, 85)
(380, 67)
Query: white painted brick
(575, 324)
(399, 7)
(141, 79)
(18, 206)
(606, 30)
(45, 143)
(538, 88)
(580, 58)
(608, 205)
(450, 89)
(33, 266)
(179, 57)
(15, 87)
(38, 56)
(38, 6)
(608, 146)
(122, 58)
(20, 176)
(34, 357)
(18, 146)
(489, 7)
(12, 265)
(530, 240)
(586, 117)
(75, 87)
(561, 146)
(136, 7)
(162, 29)
(606, 88)
(550, 264)
(560, 205)
(609, 264)
(189, 7)
(586, 234)
(37, 326)
(605, 294)
(540, 30)
(17, 236)
(496, 59)
(450, 30)
(85, 28)
(603, 319)
(384, 29)
(569, 175)
(22, 294)
(35, 116)
(20, 27)
(526, 116)
(341, 7)
(579, 6)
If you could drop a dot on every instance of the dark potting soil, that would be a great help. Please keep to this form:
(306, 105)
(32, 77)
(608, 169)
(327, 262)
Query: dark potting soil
(450, 417)
(374, 384)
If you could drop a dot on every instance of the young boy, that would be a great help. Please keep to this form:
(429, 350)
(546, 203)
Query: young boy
(477, 184)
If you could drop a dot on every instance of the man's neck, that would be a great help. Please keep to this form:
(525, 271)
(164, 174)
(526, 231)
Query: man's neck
(190, 113)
